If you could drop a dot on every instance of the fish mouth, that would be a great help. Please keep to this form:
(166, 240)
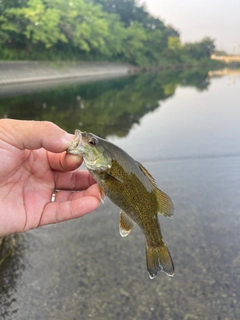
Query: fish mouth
(76, 146)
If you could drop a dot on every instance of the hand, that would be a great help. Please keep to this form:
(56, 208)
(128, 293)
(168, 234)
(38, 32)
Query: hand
(33, 164)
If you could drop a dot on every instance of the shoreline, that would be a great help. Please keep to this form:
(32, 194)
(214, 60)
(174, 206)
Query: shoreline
(18, 77)
(15, 72)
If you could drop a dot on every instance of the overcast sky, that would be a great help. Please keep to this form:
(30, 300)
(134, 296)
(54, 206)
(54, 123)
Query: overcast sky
(218, 19)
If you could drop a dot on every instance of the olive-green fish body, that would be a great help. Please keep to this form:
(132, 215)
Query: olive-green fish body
(132, 191)
(128, 184)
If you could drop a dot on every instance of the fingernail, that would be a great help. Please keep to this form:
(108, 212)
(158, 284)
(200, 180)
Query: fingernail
(67, 139)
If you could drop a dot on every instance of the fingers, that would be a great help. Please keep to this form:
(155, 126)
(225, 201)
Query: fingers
(75, 180)
(41, 134)
(74, 206)
(34, 135)
(64, 161)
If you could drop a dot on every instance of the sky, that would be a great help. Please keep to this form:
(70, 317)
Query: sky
(217, 19)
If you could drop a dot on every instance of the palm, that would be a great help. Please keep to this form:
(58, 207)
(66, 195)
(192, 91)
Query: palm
(27, 182)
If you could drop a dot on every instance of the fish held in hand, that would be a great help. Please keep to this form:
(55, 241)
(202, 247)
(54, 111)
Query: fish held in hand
(130, 186)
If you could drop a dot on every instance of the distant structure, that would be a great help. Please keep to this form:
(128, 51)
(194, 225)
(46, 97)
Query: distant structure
(224, 72)
(227, 59)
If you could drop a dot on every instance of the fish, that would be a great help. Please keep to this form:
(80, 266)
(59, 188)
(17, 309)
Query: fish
(132, 188)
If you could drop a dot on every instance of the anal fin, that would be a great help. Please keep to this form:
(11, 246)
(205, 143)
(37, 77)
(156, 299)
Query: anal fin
(125, 224)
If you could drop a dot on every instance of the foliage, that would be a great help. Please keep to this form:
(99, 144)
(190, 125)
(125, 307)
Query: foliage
(49, 22)
(174, 43)
(120, 30)
(200, 50)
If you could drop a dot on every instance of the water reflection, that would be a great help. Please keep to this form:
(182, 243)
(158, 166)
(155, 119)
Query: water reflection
(83, 269)
(105, 108)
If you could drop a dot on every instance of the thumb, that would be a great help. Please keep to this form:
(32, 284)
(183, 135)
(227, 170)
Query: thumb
(34, 135)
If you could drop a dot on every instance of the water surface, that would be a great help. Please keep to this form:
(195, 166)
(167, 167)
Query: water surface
(184, 127)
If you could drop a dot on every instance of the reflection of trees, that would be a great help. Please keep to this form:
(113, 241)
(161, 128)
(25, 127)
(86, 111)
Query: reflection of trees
(105, 108)
(197, 78)
(10, 271)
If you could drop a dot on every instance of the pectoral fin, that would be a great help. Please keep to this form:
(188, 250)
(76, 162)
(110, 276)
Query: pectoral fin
(102, 194)
(126, 224)
(165, 204)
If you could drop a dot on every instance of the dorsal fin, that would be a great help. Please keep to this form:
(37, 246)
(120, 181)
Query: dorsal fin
(165, 204)
(144, 170)
(125, 224)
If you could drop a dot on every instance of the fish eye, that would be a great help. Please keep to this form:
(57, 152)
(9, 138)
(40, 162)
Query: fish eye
(92, 142)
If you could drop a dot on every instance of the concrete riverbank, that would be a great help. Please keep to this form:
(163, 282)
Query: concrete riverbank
(16, 77)
(14, 72)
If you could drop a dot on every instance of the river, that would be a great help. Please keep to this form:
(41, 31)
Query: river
(185, 129)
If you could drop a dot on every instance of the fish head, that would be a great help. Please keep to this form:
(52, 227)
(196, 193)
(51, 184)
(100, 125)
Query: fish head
(92, 149)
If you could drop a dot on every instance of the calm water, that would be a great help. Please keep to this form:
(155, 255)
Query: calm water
(185, 128)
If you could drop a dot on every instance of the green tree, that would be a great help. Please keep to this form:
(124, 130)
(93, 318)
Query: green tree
(174, 44)
(48, 22)
(6, 4)
(126, 9)
(133, 47)
(156, 35)
(36, 22)
(200, 50)
(92, 29)
(153, 45)
(174, 51)
(115, 38)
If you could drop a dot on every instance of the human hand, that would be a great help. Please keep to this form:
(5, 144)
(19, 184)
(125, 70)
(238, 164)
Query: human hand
(33, 164)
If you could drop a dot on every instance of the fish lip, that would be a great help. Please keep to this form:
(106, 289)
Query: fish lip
(76, 146)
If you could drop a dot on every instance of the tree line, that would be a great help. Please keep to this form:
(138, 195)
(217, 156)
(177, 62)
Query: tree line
(114, 30)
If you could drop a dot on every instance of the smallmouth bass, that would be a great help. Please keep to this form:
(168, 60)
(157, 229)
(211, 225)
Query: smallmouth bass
(129, 185)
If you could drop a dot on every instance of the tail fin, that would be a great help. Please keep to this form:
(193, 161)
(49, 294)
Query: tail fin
(159, 258)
